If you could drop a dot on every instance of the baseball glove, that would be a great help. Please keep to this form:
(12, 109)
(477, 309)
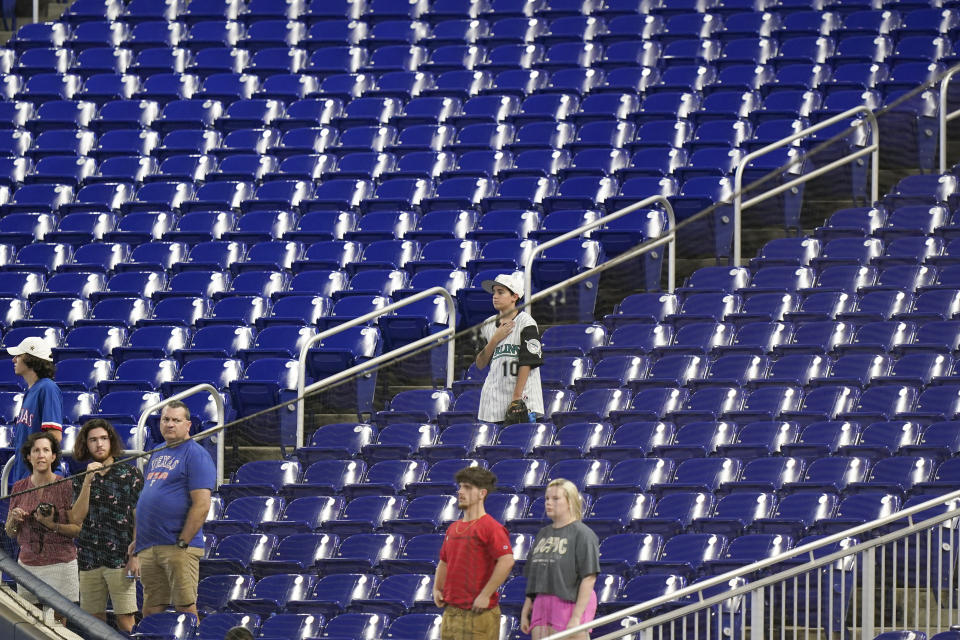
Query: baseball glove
(517, 412)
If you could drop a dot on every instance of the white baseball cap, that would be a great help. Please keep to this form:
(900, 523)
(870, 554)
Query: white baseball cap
(33, 345)
(513, 282)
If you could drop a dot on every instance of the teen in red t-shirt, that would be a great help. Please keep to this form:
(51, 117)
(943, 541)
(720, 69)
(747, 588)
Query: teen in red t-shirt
(475, 559)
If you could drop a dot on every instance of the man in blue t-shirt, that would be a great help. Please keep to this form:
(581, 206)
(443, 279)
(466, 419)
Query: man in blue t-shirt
(42, 405)
(173, 505)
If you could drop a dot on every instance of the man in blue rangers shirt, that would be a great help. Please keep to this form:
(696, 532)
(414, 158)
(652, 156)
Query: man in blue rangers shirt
(170, 513)
(42, 405)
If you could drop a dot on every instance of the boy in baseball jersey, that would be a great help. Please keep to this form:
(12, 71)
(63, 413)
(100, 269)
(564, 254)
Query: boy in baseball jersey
(512, 350)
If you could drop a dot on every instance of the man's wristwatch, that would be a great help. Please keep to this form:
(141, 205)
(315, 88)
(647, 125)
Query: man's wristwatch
(182, 544)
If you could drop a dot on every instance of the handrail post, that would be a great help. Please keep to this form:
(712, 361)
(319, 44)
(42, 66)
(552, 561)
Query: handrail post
(221, 419)
(5, 475)
(599, 222)
(873, 150)
(671, 249)
(420, 295)
(944, 117)
(757, 611)
(867, 593)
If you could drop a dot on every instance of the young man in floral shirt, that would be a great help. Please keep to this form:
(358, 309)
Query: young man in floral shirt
(105, 499)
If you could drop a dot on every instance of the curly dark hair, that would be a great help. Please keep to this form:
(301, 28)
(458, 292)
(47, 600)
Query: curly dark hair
(477, 476)
(80, 451)
(28, 446)
(43, 368)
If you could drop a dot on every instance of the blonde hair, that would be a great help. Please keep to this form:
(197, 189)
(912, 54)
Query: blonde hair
(573, 496)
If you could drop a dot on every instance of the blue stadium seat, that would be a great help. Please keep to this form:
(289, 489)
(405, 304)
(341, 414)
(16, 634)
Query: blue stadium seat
(362, 553)
(397, 594)
(387, 477)
(169, 624)
(643, 308)
(245, 513)
(748, 549)
(674, 512)
(653, 403)
(418, 556)
(766, 474)
(233, 555)
(296, 552)
(334, 593)
(615, 513)
(348, 437)
(216, 625)
(325, 476)
(139, 374)
(516, 441)
(215, 591)
(699, 475)
(82, 374)
(861, 507)
(647, 587)
(833, 474)
(759, 439)
(303, 515)
(357, 625)
(735, 513)
(687, 553)
(271, 594)
(936, 441)
(125, 407)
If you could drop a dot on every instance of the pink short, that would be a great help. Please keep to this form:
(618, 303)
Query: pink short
(551, 610)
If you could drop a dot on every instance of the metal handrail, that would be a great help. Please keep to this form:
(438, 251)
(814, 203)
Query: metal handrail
(451, 330)
(141, 434)
(753, 588)
(945, 117)
(806, 549)
(872, 149)
(671, 234)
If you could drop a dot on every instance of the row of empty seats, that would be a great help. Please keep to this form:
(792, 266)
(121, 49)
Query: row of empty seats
(381, 10)
(280, 58)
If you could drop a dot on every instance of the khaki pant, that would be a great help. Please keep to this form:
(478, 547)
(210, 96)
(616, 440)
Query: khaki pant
(463, 624)
(96, 584)
(169, 575)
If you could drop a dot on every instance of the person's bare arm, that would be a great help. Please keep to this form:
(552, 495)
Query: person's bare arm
(199, 507)
(57, 434)
(483, 358)
(584, 592)
(81, 506)
(439, 579)
(133, 562)
(63, 528)
(15, 519)
(525, 614)
(501, 571)
(523, 372)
